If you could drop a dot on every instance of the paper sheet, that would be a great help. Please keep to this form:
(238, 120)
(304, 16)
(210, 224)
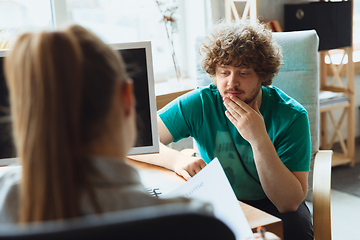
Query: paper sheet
(211, 185)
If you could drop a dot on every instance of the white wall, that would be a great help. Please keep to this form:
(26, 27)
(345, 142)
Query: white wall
(273, 9)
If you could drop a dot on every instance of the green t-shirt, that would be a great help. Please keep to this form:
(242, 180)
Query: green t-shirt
(201, 115)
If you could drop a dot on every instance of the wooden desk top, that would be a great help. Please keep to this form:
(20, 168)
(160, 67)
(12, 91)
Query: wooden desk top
(254, 216)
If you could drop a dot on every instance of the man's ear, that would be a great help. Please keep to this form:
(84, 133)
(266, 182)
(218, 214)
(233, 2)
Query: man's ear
(263, 82)
(128, 97)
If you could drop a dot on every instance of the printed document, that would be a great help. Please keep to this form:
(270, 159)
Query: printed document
(210, 185)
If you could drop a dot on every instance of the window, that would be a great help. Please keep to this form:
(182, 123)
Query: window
(22, 15)
(128, 21)
(141, 20)
(116, 21)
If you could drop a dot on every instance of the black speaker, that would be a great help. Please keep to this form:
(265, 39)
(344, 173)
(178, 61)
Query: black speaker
(331, 20)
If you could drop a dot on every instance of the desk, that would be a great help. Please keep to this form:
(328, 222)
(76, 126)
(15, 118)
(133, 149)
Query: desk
(167, 91)
(254, 216)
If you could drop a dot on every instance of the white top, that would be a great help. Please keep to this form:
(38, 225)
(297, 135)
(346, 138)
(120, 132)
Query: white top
(122, 189)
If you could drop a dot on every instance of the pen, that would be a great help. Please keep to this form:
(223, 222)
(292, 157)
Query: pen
(261, 231)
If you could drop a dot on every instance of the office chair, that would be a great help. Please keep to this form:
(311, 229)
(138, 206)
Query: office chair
(299, 78)
(170, 221)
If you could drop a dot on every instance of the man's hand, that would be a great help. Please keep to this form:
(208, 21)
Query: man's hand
(248, 121)
(188, 167)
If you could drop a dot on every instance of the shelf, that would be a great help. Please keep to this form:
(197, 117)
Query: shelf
(333, 107)
(339, 159)
(338, 95)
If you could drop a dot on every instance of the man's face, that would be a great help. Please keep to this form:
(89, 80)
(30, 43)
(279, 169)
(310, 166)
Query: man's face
(240, 81)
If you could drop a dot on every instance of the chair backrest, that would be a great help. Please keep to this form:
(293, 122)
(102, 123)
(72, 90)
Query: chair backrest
(299, 74)
(298, 77)
(169, 221)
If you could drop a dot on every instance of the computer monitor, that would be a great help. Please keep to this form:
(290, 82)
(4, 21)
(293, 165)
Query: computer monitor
(138, 59)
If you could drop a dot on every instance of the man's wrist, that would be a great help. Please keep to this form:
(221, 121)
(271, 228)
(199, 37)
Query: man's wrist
(260, 143)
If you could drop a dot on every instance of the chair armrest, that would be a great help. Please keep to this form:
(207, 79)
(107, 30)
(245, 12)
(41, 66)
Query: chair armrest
(322, 194)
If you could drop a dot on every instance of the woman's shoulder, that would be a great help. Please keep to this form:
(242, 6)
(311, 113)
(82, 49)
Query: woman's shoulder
(10, 178)
(124, 190)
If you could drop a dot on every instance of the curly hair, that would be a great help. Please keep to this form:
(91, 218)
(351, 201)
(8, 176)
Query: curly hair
(250, 44)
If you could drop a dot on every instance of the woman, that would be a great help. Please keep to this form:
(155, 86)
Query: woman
(73, 113)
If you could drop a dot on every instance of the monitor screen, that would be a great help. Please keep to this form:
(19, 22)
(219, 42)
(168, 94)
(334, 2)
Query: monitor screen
(7, 149)
(4, 97)
(138, 60)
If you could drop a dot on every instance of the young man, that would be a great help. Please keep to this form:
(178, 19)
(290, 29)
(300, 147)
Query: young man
(260, 135)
